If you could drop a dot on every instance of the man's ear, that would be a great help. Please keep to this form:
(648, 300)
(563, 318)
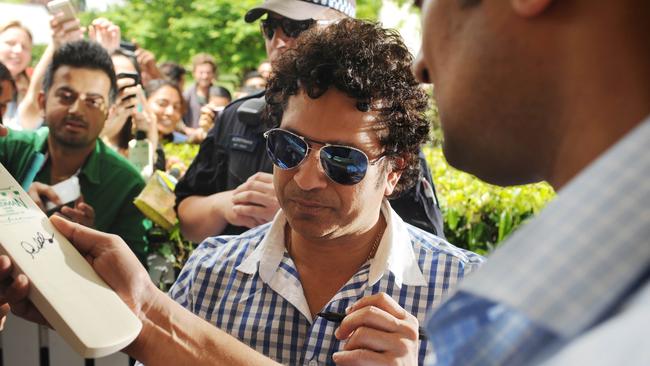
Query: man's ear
(530, 8)
(393, 175)
(41, 100)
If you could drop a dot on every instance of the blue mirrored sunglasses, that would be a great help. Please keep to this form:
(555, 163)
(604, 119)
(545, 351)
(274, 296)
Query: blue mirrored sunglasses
(342, 164)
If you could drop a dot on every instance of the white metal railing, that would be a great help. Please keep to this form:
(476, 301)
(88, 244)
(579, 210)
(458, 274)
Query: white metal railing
(23, 343)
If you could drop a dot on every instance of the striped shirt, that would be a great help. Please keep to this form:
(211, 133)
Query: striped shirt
(570, 287)
(248, 286)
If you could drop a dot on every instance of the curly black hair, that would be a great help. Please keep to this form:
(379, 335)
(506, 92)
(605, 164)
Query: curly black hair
(370, 64)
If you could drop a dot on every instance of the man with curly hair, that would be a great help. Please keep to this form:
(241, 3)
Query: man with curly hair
(351, 118)
(228, 189)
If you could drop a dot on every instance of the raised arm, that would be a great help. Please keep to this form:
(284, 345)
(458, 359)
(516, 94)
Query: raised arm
(29, 112)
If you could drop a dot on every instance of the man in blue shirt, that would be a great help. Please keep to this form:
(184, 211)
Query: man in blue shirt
(556, 91)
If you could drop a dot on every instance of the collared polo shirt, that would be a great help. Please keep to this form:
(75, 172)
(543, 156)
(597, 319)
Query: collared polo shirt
(109, 183)
(248, 286)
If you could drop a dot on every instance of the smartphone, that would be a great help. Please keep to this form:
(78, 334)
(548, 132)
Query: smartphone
(129, 75)
(127, 46)
(68, 192)
(62, 6)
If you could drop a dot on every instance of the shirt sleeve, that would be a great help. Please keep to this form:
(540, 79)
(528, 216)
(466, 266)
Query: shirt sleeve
(471, 330)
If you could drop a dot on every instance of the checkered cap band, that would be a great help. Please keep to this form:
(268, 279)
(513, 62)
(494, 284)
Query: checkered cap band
(344, 6)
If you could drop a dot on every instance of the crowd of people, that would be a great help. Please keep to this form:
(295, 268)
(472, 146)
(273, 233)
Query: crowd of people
(310, 197)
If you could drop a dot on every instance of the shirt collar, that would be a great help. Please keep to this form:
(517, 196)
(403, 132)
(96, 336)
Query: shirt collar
(91, 169)
(394, 254)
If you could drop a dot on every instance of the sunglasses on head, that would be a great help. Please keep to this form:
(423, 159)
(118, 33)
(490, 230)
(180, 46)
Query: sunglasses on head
(291, 28)
(342, 164)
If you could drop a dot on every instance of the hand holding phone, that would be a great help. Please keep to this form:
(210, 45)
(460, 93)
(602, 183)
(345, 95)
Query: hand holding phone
(62, 6)
(68, 192)
(65, 26)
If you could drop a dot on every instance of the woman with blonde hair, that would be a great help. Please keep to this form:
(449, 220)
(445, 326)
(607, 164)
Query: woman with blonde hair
(16, 53)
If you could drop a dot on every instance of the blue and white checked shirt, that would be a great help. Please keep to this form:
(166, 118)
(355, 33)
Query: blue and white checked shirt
(249, 287)
(572, 286)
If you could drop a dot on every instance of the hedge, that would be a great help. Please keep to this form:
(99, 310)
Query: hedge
(478, 215)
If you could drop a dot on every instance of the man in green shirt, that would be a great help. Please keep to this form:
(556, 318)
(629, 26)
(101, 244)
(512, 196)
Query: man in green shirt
(78, 87)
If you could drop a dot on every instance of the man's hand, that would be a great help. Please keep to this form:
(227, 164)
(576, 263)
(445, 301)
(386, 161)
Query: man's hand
(14, 293)
(3, 131)
(148, 67)
(378, 331)
(123, 107)
(254, 202)
(206, 119)
(106, 33)
(65, 31)
(109, 256)
(39, 190)
(4, 310)
(112, 259)
(82, 213)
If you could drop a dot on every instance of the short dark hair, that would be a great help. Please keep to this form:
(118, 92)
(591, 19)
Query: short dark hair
(5, 75)
(370, 64)
(84, 55)
(172, 71)
(118, 52)
(219, 91)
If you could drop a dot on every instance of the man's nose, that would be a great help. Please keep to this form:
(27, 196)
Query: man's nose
(420, 70)
(74, 108)
(279, 40)
(310, 174)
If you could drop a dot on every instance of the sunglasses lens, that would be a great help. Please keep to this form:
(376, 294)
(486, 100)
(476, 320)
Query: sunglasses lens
(291, 28)
(344, 165)
(268, 28)
(285, 149)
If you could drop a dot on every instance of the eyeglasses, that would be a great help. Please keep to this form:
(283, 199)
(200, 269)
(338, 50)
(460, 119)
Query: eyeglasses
(93, 102)
(342, 164)
(292, 28)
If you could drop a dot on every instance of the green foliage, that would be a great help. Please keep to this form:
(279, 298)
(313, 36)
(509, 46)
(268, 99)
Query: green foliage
(478, 215)
(368, 9)
(184, 152)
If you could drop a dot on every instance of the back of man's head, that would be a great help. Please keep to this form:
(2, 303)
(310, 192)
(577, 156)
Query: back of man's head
(305, 9)
(369, 64)
(84, 55)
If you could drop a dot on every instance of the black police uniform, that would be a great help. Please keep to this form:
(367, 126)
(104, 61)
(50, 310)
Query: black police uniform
(234, 150)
